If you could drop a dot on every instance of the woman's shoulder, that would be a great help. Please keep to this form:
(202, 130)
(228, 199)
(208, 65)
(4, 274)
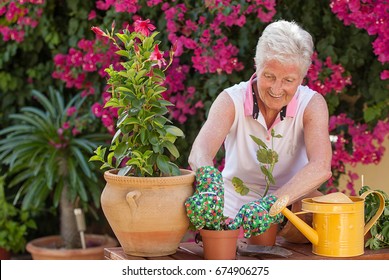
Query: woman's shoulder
(237, 89)
(305, 92)
(310, 95)
(304, 95)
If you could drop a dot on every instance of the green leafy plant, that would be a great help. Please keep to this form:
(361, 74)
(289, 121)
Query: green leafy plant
(380, 230)
(14, 224)
(267, 159)
(143, 134)
(47, 149)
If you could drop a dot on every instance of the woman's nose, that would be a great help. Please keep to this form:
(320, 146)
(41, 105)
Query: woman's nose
(276, 87)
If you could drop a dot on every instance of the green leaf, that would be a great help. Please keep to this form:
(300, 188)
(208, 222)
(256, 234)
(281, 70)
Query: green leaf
(122, 118)
(163, 164)
(274, 157)
(124, 89)
(258, 141)
(143, 135)
(123, 38)
(123, 53)
(268, 174)
(174, 130)
(174, 169)
(82, 161)
(273, 134)
(121, 149)
(172, 148)
(113, 102)
(131, 120)
(163, 102)
(264, 156)
(371, 113)
(148, 43)
(239, 186)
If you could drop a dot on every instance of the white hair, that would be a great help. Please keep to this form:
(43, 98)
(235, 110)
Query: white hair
(285, 42)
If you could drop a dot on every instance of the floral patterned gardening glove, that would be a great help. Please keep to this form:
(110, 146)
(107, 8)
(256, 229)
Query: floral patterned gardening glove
(205, 207)
(254, 216)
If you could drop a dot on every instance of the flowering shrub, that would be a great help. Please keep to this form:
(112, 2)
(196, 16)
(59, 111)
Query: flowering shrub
(215, 46)
(371, 15)
(20, 17)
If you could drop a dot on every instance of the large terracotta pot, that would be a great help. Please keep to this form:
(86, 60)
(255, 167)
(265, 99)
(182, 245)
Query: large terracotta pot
(49, 248)
(147, 214)
(219, 244)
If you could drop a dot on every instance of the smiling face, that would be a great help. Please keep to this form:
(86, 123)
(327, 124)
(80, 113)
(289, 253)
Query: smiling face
(277, 83)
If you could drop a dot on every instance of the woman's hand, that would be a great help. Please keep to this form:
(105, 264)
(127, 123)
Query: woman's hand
(254, 217)
(205, 207)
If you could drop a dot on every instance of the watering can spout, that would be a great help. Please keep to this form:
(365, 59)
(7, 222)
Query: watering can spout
(280, 207)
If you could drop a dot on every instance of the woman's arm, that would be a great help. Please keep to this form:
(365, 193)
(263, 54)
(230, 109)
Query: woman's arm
(318, 146)
(214, 131)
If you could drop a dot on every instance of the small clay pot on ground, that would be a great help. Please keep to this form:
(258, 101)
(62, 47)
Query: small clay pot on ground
(219, 244)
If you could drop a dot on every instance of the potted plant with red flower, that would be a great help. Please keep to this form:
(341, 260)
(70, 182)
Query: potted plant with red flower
(145, 192)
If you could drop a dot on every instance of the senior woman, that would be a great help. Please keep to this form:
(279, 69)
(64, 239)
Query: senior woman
(273, 98)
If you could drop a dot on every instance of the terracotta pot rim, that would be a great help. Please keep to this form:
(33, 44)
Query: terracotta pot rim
(187, 176)
(232, 233)
(36, 246)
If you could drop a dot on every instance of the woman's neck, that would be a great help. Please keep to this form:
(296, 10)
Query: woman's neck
(268, 114)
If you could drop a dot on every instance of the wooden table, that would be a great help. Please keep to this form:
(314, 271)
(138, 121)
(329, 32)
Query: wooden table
(193, 251)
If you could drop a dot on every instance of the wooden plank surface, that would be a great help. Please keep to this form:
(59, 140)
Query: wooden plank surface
(193, 251)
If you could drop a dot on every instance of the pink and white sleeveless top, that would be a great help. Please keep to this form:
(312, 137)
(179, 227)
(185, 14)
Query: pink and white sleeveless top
(240, 158)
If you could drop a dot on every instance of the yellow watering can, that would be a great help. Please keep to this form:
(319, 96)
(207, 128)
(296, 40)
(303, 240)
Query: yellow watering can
(338, 222)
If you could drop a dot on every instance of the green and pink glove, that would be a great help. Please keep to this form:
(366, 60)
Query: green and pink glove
(205, 207)
(254, 217)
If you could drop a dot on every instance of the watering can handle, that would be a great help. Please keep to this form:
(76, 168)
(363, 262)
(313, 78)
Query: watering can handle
(131, 198)
(379, 211)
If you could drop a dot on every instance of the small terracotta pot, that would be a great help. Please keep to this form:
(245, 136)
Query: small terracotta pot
(268, 238)
(219, 244)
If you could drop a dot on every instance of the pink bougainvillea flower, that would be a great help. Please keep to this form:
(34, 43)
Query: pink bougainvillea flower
(66, 125)
(384, 75)
(71, 111)
(158, 56)
(75, 131)
(144, 27)
(92, 15)
(97, 110)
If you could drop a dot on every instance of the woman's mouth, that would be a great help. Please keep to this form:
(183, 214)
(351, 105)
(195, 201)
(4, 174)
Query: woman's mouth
(275, 95)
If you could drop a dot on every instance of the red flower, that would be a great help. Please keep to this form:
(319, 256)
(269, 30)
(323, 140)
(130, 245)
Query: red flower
(144, 27)
(98, 31)
(158, 56)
